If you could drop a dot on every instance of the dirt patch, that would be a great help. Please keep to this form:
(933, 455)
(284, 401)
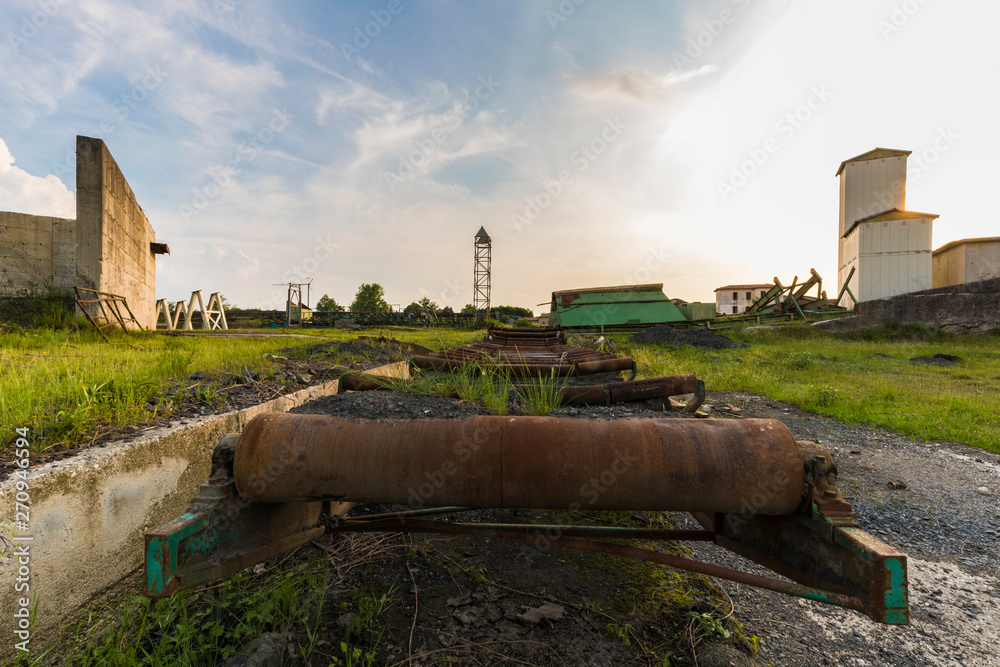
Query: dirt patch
(701, 338)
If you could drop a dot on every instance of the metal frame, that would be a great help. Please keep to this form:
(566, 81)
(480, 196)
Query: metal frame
(109, 306)
(820, 547)
(482, 275)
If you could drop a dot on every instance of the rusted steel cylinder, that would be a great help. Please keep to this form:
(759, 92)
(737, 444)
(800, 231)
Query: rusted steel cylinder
(604, 365)
(720, 465)
(638, 390)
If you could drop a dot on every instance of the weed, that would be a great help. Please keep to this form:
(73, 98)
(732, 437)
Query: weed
(543, 397)
(710, 625)
(622, 632)
(208, 626)
(799, 360)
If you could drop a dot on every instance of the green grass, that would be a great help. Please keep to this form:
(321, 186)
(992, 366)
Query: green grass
(542, 397)
(840, 376)
(206, 626)
(69, 385)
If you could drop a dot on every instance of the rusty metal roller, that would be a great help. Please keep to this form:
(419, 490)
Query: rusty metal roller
(524, 462)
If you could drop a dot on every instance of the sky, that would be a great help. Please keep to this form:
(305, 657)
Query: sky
(599, 143)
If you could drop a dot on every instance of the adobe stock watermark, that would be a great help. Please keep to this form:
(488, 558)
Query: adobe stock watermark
(711, 30)
(766, 490)
(920, 161)
(246, 152)
(563, 11)
(30, 26)
(656, 259)
(363, 35)
(786, 126)
(462, 450)
(323, 250)
(590, 492)
(426, 146)
(900, 15)
(123, 106)
(585, 155)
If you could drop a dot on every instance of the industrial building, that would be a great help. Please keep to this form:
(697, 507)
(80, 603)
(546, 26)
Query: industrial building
(110, 246)
(887, 248)
(735, 299)
(966, 261)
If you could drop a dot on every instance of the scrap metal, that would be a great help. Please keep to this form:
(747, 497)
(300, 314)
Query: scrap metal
(288, 479)
(527, 352)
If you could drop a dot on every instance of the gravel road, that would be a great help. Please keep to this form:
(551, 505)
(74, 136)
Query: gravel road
(943, 520)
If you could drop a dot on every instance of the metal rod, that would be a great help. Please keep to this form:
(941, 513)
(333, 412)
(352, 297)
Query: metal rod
(625, 551)
(389, 522)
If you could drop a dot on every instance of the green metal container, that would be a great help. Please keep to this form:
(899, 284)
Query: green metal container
(613, 306)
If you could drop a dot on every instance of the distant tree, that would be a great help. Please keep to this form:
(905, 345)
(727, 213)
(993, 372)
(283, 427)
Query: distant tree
(328, 304)
(447, 310)
(510, 311)
(226, 303)
(468, 309)
(418, 307)
(370, 298)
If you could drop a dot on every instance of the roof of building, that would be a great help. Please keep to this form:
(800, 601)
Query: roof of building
(739, 287)
(651, 287)
(952, 244)
(481, 234)
(876, 154)
(891, 214)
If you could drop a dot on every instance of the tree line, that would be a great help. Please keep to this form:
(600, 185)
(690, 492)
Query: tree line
(370, 298)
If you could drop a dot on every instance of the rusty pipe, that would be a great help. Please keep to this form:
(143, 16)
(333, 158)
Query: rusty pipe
(524, 462)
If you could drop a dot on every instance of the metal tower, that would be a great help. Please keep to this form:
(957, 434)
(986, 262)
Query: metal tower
(481, 294)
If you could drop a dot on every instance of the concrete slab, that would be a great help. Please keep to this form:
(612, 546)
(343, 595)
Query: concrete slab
(88, 514)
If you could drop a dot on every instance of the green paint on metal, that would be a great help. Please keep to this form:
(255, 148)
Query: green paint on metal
(611, 306)
(896, 617)
(895, 594)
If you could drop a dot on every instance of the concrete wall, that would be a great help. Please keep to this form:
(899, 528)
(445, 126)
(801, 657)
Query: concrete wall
(89, 513)
(967, 261)
(967, 308)
(37, 252)
(112, 233)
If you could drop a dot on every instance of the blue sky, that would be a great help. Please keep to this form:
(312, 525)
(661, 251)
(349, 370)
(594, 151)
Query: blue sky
(599, 143)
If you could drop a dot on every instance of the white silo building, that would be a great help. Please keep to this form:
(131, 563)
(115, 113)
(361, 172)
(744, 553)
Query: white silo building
(888, 247)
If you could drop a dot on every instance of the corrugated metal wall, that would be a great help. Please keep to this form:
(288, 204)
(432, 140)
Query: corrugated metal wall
(894, 258)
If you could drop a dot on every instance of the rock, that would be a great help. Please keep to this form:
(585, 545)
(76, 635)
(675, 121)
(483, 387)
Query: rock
(275, 357)
(303, 378)
(936, 360)
(896, 485)
(199, 375)
(984, 491)
(345, 619)
(265, 651)
(548, 611)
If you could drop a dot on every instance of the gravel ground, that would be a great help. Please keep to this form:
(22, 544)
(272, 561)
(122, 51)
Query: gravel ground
(949, 529)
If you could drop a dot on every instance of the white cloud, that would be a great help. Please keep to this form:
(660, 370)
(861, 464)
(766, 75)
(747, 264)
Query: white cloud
(24, 193)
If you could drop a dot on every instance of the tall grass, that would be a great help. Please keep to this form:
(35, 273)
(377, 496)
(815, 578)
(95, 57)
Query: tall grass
(542, 397)
(66, 385)
(863, 377)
